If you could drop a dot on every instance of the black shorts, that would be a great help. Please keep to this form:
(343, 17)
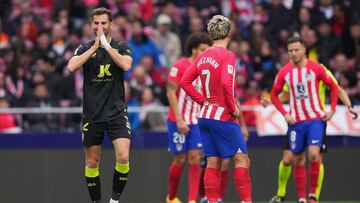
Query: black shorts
(323, 148)
(93, 132)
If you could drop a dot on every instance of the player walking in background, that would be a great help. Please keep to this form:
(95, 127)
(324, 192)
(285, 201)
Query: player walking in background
(220, 132)
(306, 118)
(104, 62)
(284, 169)
(184, 139)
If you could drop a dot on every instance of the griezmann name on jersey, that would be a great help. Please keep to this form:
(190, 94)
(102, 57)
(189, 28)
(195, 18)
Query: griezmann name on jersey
(215, 67)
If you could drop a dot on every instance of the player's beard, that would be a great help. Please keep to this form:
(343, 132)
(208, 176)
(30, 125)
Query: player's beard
(296, 59)
(106, 32)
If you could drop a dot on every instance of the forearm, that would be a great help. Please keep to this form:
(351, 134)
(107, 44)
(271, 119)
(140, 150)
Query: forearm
(123, 61)
(241, 116)
(276, 101)
(334, 95)
(344, 97)
(173, 103)
(192, 92)
(76, 62)
(229, 98)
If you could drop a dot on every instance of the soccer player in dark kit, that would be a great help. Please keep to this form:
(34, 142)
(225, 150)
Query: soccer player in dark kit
(104, 62)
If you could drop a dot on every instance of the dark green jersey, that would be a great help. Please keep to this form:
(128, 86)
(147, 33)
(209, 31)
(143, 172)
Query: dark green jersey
(104, 95)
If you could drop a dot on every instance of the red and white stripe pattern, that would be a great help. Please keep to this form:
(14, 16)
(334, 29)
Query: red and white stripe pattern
(211, 112)
(215, 112)
(304, 97)
(188, 108)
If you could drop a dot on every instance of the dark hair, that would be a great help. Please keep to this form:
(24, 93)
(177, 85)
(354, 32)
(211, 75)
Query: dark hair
(195, 39)
(295, 40)
(101, 11)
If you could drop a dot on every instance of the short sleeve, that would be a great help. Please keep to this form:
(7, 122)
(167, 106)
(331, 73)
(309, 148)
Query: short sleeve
(174, 74)
(124, 49)
(80, 50)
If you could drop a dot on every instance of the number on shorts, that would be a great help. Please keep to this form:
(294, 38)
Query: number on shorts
(179, 138)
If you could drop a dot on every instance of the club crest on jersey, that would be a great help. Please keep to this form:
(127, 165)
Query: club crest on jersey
(179, 147)
(308, 76)
(230, 69)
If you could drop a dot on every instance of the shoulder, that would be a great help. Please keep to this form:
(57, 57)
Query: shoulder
(83, 47)
(121, 43)
(178, 68)
(123, 47)
(181, 63)
(315, 65)
(286, 68)
(230, 54)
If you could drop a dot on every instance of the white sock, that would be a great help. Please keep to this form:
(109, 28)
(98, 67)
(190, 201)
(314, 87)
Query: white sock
(113, 201)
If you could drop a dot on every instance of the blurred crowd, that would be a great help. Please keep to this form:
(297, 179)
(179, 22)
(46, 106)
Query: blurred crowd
(38, 37)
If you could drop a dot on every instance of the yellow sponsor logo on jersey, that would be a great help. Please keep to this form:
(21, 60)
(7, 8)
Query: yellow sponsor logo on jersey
(104, 70)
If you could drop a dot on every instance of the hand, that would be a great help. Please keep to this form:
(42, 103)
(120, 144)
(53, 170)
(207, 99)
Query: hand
(236, 113)
(353, 112)
(97, 41)
(103, 40)
(182, 127)
(328, 115)
(290, 120)
(245, 134)
(265, 102)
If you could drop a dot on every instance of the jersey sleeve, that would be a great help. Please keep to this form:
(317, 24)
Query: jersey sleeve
(175, 73)
(334, 91)
(80, 50)
(276, 89)
(124, 48)
(227, 82)
(186, 83)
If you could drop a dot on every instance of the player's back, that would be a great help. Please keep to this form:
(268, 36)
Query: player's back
(211, 65)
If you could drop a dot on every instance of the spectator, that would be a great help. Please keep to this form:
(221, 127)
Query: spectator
(41, 122)
(134, 117)
(329, 42)
(166, 40)
(151, 120)
(7, 120)
(142, 45)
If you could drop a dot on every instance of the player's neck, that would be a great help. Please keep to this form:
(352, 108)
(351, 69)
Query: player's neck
(192, 58)
(221, 43)
(301, 63)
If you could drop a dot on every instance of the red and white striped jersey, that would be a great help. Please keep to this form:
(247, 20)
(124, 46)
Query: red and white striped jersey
(215, 67)
(188, 108)
(305, 103)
